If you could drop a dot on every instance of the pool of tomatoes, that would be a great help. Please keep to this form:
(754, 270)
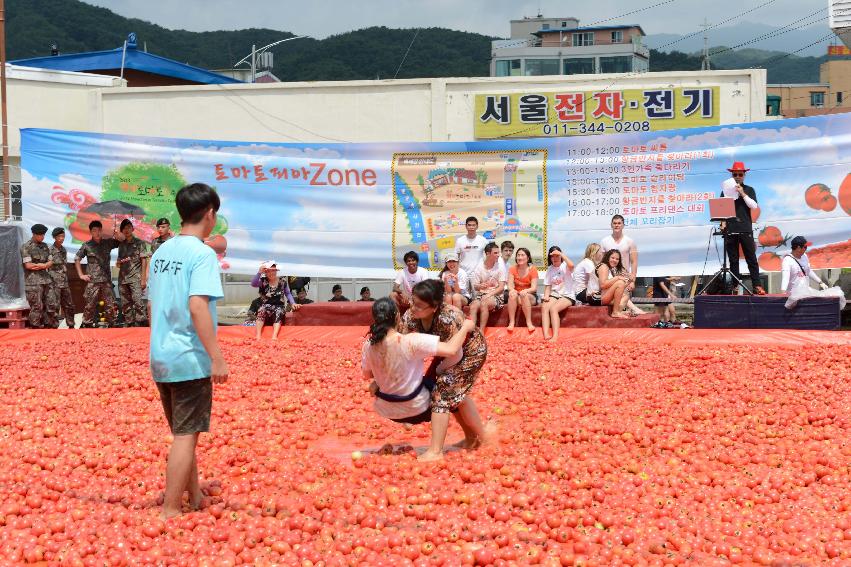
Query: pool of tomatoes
(607, 454)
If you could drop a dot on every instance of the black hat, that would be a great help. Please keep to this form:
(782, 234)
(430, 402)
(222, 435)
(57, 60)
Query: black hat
(125, 223)
(800, 241)
(163, 221)
(57, 231)
(39, 229)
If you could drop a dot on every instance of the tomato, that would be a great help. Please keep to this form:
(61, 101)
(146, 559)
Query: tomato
(816, 194)
(844, 195)
(770, 236)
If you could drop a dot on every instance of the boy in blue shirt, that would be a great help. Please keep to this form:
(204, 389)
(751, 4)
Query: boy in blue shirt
(186, 361)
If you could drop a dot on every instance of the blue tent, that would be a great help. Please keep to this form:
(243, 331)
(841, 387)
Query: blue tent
(133, 59)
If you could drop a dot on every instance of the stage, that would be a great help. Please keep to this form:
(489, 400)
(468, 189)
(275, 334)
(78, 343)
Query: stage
(765, 312)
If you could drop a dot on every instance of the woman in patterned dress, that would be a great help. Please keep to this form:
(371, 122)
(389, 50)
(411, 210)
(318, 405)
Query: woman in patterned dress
(455, 375)
(274, 295)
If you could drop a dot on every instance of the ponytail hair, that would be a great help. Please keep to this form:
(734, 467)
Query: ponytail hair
(384, 313)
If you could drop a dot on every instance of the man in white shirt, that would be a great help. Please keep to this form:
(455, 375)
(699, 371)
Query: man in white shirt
(488, 286)
(406, 279)
(796, 269)
(471, 246)
(629, 256)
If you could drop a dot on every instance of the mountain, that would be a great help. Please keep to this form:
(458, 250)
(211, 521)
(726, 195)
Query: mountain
(376, 52)
(764, 37)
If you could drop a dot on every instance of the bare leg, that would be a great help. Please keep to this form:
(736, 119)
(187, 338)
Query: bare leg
(512, 309)
(474, 310)
(526, 304)
(555, 315)
(276, 328)
(439, 426)
(485, 312)
(258, 324)
(471, 422)
(193, 487)
(545, 318)
(178, 474)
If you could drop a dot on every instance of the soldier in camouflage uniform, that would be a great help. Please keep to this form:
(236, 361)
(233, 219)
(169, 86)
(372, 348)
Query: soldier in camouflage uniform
(59, 274)
(132, 276)
(99, 276)
(164, 228)
(35, 256)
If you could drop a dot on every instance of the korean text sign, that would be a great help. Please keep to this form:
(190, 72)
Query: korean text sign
(353, 210)
(577, 113)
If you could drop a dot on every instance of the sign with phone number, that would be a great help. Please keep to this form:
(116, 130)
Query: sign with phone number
(580, 113)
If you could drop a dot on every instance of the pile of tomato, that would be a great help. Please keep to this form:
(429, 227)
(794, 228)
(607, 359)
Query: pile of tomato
(608, 454)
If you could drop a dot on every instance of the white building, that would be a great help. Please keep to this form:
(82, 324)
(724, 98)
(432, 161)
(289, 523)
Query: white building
(559, 46)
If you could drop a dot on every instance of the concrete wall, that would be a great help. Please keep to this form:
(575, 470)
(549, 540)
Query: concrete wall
(373, 111)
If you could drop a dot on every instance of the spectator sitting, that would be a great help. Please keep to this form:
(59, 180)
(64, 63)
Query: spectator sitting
(488, 284)
(365, 294)
(301, 297)
(585, 282)
(337, 293)
(613, 282)
(662, 290)
(456, 282)
(558, 291)
(406, 279)
(274, 295)
(522, 288)
(506, 251)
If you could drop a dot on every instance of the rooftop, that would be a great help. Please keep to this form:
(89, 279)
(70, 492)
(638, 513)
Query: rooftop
(132, 59)
(591, 28)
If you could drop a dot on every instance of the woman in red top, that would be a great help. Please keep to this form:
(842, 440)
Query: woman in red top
(522, 288)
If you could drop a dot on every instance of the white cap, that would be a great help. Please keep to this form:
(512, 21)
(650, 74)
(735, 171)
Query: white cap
(268, 264)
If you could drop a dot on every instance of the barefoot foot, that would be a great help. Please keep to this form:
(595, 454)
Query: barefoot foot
(510, 328)
(430, 456)
(167, 514)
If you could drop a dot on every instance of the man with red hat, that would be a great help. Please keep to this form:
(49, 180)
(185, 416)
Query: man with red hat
(740, 229)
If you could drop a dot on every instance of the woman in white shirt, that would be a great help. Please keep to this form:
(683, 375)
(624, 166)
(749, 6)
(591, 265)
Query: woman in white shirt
(586, 286)
(394, 363)
(558, 291)
(456, 283)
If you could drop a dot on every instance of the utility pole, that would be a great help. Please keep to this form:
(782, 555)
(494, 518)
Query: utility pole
(704, 63)
(7, 194)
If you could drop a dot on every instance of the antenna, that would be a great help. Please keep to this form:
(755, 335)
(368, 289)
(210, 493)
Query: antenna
(704, 63)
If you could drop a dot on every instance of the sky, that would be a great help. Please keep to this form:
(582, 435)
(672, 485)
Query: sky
(322, 18)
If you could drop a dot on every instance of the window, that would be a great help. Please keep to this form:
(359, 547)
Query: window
(839, 97)
(817, 99)
(583, 39)
(508, 67)
(536, 67)
(545, 26)
(579, 66)
(615, 64)
(17, 203)
(617, 36)
(564, 24)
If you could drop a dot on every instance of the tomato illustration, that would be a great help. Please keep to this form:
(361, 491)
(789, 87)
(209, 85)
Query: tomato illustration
(770, 261)
(770, 236)
(816, 194)
(845, 195)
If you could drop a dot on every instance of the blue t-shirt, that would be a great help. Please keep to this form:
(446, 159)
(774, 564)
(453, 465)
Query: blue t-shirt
(183, 266)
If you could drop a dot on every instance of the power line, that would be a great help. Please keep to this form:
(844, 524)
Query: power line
(410, 45)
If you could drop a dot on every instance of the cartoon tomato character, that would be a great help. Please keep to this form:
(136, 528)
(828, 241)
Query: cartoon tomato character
(769, 261)
(770, 236)
(816, 194)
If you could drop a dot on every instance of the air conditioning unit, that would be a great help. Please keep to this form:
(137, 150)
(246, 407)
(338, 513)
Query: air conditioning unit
(840, 14)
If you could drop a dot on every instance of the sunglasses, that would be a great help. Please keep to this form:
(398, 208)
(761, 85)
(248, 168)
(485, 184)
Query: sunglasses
(738, 175)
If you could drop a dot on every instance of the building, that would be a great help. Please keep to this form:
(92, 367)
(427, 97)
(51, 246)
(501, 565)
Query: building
(831, 94)
(559, 46)
(138, 68)
(839, 12)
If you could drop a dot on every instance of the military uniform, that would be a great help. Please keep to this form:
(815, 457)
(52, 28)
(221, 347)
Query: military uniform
(130, 255)
(39, 286)
(97, 254)
(157, 242)
(62, 291)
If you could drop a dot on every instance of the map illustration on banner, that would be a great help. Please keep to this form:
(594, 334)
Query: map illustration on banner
(435, 192)
(353, 210)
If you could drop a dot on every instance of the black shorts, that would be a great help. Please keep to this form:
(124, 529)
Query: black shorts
(187, 405)
(589, 299)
